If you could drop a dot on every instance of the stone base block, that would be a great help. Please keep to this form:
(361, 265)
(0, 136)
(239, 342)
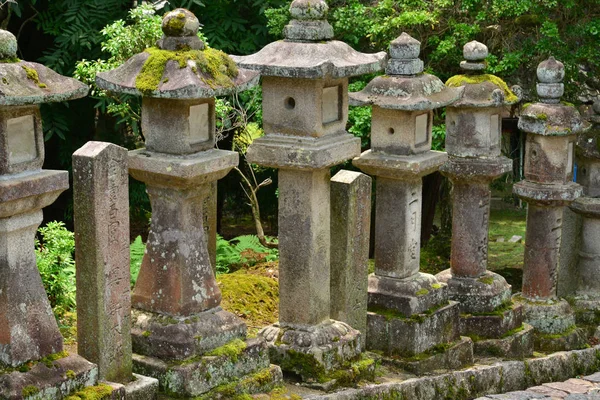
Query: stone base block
(587, 310)
(313, 352)
(551, 317)
(453, 356)
(492, 325)
(572, 339)
(263, 381)
(477, 295)
(49, 380)
(414, 295)
(516, 345)
(201, 374)
(394, 334)
(349, 376)
(171, 338)
(141, 388)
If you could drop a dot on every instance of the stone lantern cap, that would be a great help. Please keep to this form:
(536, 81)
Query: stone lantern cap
(180, 67)
(481, 90)
(27, 83)
(551, 117)
(308, 52)
(588, 143)
(406, 87)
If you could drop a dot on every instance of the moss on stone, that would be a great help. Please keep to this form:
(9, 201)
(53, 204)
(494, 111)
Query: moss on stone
(216, 67)
(98, 392)
(488, 280)
(9, 60)
(389, 313)
(231, 350)
(422, 292)
(566, 103)
(146, 333)
(499, 311)
(547, 336)
(29, 390)
(436, 286)
(435, 350)
(33, 75)
(513, 331)
(461, 80)
(240, 389)
(304, 365)
(70, 374)
(176, 24)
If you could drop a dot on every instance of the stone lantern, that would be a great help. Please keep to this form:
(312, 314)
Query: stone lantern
(305, 110)
(28, 329)
(473, 137)
(403, 102)
(587, 293)
(551, 128)
(178, 324)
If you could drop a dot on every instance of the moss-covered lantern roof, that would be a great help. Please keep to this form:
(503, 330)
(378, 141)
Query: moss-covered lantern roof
(24, 83)
(406, 86)
(308, 50)
(551, 117)
(180, 67)
(481, 90)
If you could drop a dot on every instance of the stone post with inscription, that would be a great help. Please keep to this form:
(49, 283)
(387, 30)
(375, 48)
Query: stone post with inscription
(473, 139)
(552, 129)
(180, 334)
(403, 101)
(587, 290)
(101, 208)
(350, 234)
(305, 110)
(28, 329)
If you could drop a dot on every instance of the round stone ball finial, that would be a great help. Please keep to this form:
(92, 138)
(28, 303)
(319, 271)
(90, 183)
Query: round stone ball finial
(475, 51)
(309, 9)
(405, 47)
(8, 45)
(551, 71)
(180, 23)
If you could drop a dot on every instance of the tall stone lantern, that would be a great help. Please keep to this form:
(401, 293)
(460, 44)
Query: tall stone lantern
(403, 102)
(587, 293)
(552, 129)
(305, 110)
(473, 139)
(178, 324)
(28, 329)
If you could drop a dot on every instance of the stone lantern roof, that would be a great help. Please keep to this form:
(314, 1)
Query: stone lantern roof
(481, 90)
(28, 83)
(308, 51)
(551, 117)
(406, 86)
(180, 67)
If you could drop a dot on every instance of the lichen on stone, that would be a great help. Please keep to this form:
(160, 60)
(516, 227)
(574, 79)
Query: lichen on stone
(33, 75)
(29, 390)
(461, 80)
(230, 350)
(216, 68)
(98, 392)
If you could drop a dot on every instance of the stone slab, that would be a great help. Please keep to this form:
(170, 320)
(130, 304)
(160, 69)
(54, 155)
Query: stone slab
(198, 375)
(458, 356)
(289, 152)
(350, 227)
(101, 210)
(409, 336)
(142, 388)
(573, 339)
(263, 381)
(400, 167)
(172, 171)
(548, 194)
(178, 338)
(55, 380)
(473, 169)
(30, 191)
(494, 325)
(516, 346)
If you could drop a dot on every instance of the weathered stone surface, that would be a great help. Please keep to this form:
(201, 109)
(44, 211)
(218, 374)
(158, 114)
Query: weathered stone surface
(399, 167)
(350, 226)
(473, 132)
(519, 345)
(494, 325)
(313, 351)
(101, 202)
(477, 295)
(54, 381)
(142, 388)
(197, 376)
(410, 336)
(21, 139)
(178, 338)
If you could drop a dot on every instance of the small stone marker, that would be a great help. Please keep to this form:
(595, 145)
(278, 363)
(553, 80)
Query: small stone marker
(350, 226)
(101, 200)
(500, 240)
(515, 239)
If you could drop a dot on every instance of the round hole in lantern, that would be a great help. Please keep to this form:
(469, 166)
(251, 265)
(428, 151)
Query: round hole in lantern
(290, 103)
(391, 131)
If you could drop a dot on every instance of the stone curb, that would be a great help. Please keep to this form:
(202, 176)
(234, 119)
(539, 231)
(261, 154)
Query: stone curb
(479, 381)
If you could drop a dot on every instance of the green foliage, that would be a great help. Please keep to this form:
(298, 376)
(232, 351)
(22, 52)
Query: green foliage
(136, 251)
(54, 253)
(242, 250)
